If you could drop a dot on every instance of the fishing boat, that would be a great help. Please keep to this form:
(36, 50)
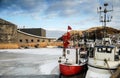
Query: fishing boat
(73, 60)
(73, 63)
(104, 59)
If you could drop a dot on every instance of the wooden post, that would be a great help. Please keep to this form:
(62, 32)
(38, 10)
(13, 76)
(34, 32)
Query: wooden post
(116, 74)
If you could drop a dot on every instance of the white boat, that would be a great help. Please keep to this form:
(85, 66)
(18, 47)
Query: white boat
(104, 58)
(103, 61)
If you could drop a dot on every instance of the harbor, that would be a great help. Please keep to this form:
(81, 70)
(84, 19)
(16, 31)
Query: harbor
(88, 52)
(26, 63)
(102, 56)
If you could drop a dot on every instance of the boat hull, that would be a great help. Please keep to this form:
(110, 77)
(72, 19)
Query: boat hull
(68, 70)
(94, 72)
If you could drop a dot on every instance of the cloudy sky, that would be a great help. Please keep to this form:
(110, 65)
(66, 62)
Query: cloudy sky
(57, 14)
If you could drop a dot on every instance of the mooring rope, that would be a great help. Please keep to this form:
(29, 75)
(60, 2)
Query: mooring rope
(108, 66)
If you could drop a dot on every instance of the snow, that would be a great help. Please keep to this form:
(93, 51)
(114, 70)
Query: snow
(41, 51)
(38, 61)
(48, 67)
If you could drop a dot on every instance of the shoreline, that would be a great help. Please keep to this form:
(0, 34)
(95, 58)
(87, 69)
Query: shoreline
(29, 45)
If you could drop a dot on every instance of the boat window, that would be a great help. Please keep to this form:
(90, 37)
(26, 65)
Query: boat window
(101, 49)
(83, 56)
(68, 51)
(104, 49)
(119, 52)
(109, 50)
(81, 49)
(107, 42)
(98, 49)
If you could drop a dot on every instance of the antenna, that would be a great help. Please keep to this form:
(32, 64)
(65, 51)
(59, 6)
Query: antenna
(104, 18)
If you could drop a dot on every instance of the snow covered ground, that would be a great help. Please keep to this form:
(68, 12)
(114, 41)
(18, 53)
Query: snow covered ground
(39, 61)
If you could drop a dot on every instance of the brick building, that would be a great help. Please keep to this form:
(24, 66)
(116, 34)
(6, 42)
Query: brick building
(9, 33)
(34, 31)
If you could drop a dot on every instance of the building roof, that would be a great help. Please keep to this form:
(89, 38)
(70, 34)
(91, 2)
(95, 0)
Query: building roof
(34, 31)
(33, 35)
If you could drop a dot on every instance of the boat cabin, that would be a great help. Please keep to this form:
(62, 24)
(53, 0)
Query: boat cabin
(105, 51)
(109, 53)
(106, 41)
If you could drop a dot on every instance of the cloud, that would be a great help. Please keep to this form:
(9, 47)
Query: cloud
(70, 7)
(57, 8)
(21, 6)
(48, 7)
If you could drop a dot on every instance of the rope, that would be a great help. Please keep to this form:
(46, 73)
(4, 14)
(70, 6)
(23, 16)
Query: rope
(108, 66)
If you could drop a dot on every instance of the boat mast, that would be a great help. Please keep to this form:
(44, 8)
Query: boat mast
(104, 18)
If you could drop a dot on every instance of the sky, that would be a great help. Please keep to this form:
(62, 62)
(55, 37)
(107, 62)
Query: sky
(58, 14)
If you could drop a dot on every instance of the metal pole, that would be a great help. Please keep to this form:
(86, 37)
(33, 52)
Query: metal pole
(103, 18)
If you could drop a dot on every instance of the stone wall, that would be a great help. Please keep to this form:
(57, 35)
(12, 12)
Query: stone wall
(8, 32)
(29, 38)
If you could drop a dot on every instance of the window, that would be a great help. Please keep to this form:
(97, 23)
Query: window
(20, 40)
(38, 40)
(31, 40)
(26, 40)
(99, 49)
(109, 50)
(104, 49)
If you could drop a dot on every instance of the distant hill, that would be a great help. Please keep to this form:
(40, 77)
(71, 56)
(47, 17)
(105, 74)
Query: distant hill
(109, 30)
(92, 32)
(99, 31)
